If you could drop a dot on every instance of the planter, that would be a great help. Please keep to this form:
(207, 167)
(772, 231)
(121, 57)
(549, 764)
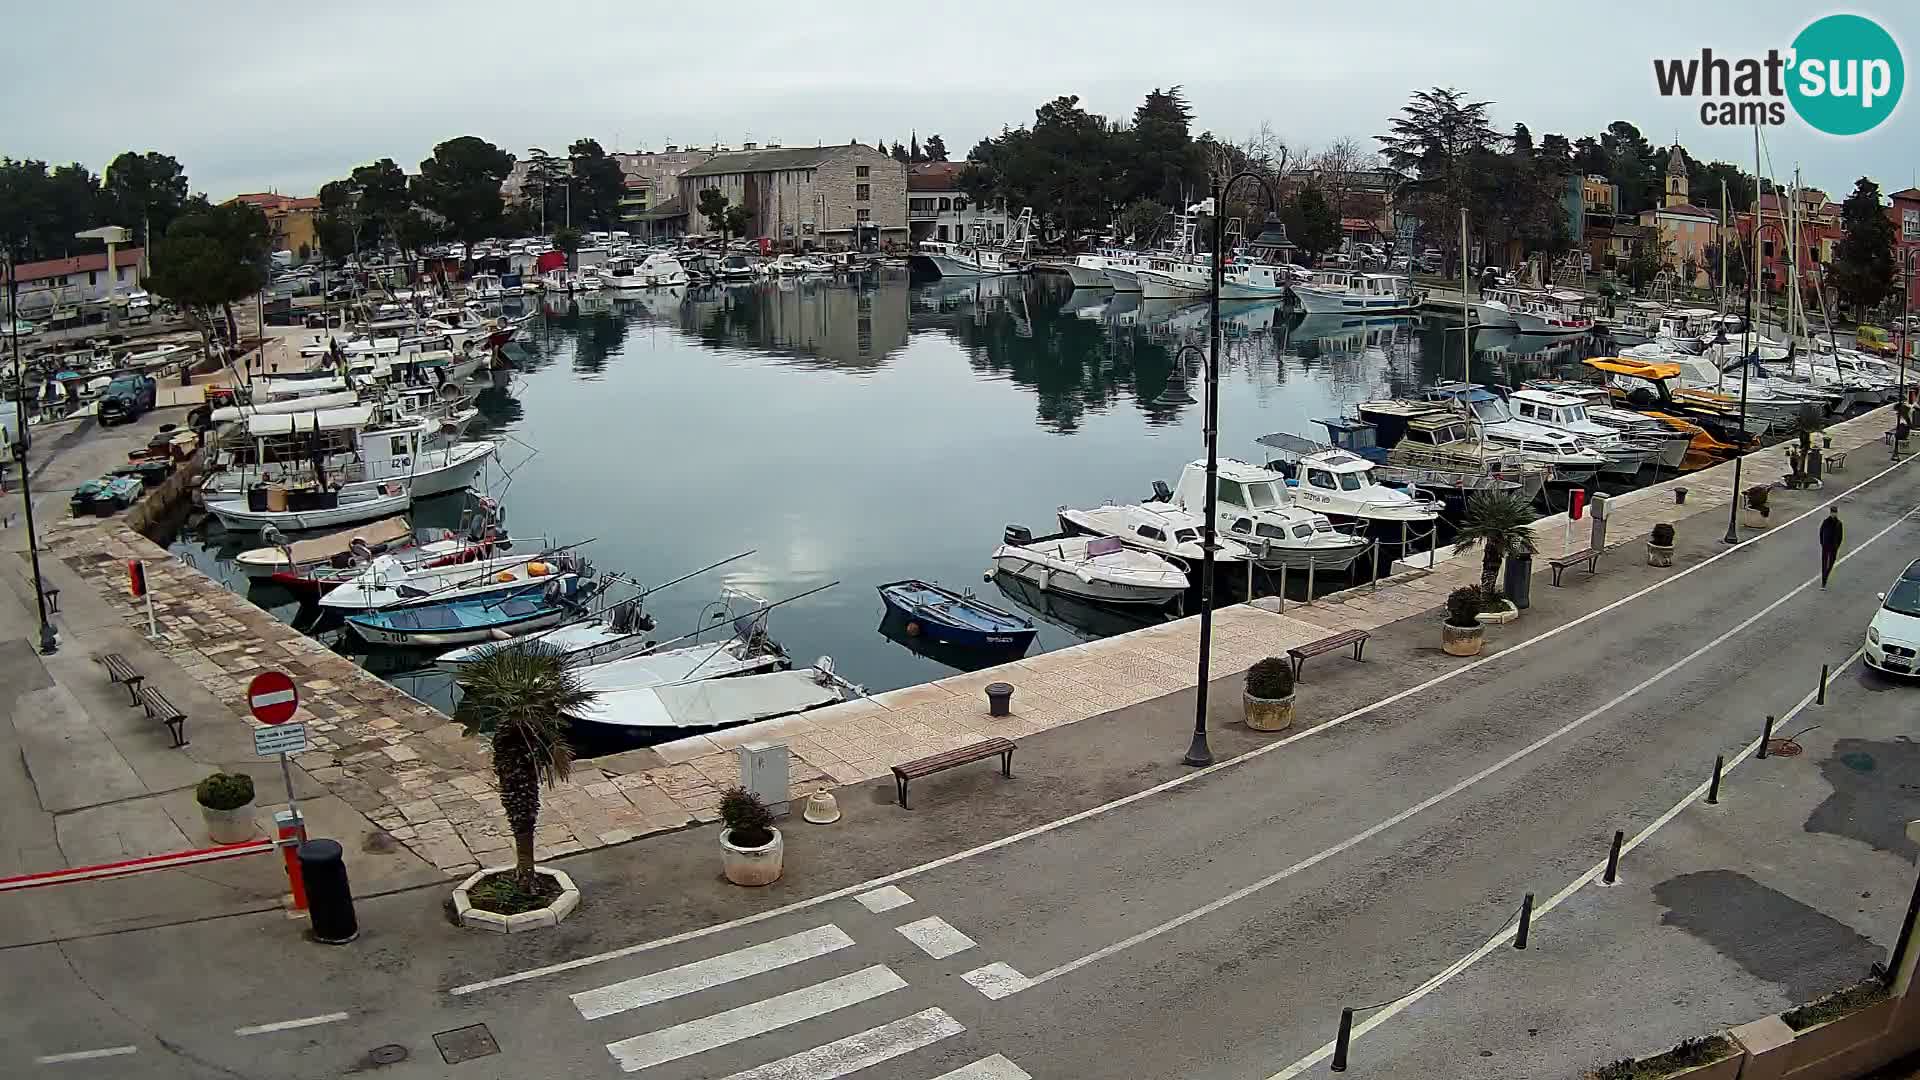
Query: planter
(539, 918)
(1659, 554)
(1727, 1068)
(1753, 519)
(1462, 640)
(233, 826)
(752, 866)
(1841, 1034)
(1500, 616)
(1269, 714)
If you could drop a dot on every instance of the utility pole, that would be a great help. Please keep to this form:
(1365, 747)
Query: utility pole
(49, 643)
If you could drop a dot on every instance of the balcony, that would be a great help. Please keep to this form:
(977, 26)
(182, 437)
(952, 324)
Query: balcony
(922, 215)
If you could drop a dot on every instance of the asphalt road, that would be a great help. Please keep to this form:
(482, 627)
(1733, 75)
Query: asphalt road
(1214, 928)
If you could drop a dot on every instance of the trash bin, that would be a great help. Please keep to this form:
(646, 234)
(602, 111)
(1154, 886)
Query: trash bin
(329, 898)
(1519, 581)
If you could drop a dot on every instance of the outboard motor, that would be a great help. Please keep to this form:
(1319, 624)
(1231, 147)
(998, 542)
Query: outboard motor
(1161, 492)
(1017, 534)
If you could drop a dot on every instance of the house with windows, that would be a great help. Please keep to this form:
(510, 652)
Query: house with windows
(1904, 210)
(938, 210)
(1683, 231)
(55, 284)
(1818, 224)
(289, 220)
(836, 197)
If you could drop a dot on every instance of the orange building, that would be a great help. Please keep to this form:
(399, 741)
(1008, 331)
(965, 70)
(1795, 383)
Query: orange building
(289, 221)
(1683, 230)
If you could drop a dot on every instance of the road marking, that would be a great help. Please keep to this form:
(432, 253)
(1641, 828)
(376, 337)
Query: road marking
(884, 899)
(936, 937)
(988, 1068)
(1180, 781)
(996, 981)
(1505, 935)
(855, 1052)
(757, 1018)
(289, 1025)
(713, 971)
(1432, 800)
(85, 1055)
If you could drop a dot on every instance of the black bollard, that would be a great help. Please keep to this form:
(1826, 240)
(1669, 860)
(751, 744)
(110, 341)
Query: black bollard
(1526, 920)
(1613, 858)
(329, 898)
(999, 699)
(1713, 789)
(1340, 1041)
(1822, 698)
(1766, 736)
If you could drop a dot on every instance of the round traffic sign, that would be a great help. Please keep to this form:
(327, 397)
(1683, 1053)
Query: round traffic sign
(272, 697)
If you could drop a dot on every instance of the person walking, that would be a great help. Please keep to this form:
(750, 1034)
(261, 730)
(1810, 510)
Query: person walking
(1831, 533)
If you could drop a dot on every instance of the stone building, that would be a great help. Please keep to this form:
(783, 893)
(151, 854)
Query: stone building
(806, 197)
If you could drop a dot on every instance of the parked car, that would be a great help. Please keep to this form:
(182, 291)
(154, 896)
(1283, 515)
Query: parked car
(1893, 635)
(126, 398)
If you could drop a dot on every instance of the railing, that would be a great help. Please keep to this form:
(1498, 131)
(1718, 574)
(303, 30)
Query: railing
(921, 215)
(1371, 551)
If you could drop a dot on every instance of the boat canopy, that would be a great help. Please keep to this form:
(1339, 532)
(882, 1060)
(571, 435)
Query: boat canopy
(1643, 369)
(355, 416)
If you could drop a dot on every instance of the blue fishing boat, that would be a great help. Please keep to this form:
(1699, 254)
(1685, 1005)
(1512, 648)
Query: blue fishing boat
(952, 618)
(487, 617)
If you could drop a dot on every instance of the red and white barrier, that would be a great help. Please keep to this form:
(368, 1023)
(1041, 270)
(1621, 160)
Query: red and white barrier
(136, 866)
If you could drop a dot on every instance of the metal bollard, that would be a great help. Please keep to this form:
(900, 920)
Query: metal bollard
(329, 897)
(1713, 789)
(1613, 859)
(1821, 699)
(291, 829)
(999, 699)
(1526, 921)
(1766, 736)
(1341, 1040)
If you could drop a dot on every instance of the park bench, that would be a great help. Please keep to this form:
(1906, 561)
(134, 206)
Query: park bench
(1574, 558)
(159, 708)
(121, 672)
(1299, 653)
(1837, 461)
(927, 766)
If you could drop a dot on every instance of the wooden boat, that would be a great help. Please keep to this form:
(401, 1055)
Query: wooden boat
(952, 618)
(287, 564)
(302, 508)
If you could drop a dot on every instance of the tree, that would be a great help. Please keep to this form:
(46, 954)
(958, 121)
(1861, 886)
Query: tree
(567, 240)
(146, 192)
(210, 257)
(1138, 223)
(1158, 151)
(1064, 167)
(900, 153)
(1311, 223)
(1337, 171)
(1498, 521)
(1522, 140)
(1633, 166)
(1736, 278)
(524, 698)
(737, 220)
(1646, 259)
(41, 208)
(383, 197)
(728, 221)
(545, 185)
(1863, 269)
(461, 183)
(598, 182)
(413, 230)
(913, 148)
(1437, 140)
(936, 148)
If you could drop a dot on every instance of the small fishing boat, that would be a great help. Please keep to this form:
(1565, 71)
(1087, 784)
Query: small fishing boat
(954, 618)
(296, 509)
(1168, 532)
(1098, 568)
(475, 618)
(1342, 484)
(288, 563)
(389, 582)
(682, 708)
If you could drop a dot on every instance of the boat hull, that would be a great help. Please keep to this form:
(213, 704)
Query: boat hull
(1158, 286)
(950, 267)
(946, 633)
(1085, 277)
(1067, 583)
(379, 635)
(1495, 315)
(1316, 302)
(1122, 280)
(235, 516)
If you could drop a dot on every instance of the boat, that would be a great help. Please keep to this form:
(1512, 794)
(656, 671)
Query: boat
(389, 581)
(1569, 461)
(1075, 616)
(297, 508)
(658, 270)
(1346, 292)
(1433, 446)
(1255, 506)
(1167, 531)
(357, 447)
(680, 708)
(491, 617)
(1087, 271)
(1496, 306)
(1099, 568)
(978, 256)
(1342, 485)
(955, 618)
(1670, 444)
(1565, 412)
(287, 563)
(1558, 312)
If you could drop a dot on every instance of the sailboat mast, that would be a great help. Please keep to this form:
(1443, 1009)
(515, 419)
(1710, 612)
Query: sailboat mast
(1466, 312)
(1720, 362)
(1753, 261)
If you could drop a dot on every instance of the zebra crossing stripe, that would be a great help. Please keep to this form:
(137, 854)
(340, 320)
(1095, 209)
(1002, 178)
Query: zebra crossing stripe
(988, 1068)
(757, 1018)
(936, 937)
(713, 971)
(855, 1052)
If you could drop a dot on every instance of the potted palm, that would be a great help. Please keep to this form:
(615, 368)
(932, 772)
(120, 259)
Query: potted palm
(1499, 521)
(1461, 633)
(523, 699)
(1269, 695)
(226, 804)
(1753, 507)
(1660, 546)
(751, 850)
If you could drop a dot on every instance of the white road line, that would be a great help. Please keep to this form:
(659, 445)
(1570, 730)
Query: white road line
(85, 1055)
(713, 971)
(996, 981)
(289, 1025)
(884, 899)
(988, 1068)
(936, 937)
(757, 1018)
(855, 1052)
(1147, 793)
(1446, 974)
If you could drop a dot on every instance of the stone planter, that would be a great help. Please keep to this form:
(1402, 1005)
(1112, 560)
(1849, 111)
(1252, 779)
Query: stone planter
(537, 919)
(1659, 554)
(233, 826)
(1500, 616)
(1753, 519)
(1462, 640)
(1727, 1068)
(752, 866)
(1269, 714)
(1823, 1041)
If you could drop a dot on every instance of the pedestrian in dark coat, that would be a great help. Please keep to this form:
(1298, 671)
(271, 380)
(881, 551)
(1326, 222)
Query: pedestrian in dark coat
(1831, 534)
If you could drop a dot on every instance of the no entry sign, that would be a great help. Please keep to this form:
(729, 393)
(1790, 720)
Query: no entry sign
(272, 697)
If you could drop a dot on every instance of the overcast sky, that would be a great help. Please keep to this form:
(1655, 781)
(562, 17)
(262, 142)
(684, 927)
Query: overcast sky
(287, 96)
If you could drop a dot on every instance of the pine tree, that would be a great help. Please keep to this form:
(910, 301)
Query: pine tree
(913, 148)
(1863, 260)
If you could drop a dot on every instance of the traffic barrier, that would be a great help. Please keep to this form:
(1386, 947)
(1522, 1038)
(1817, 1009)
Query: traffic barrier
(103, 871)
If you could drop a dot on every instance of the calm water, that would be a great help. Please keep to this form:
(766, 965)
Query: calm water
(862, 435)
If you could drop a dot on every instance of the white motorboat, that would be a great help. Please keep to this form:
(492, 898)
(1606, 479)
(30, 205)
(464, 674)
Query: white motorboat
(1121, 267)
(1341, 484)
(689, 663)
(299, 509)
(1087, 272)
(1099, 568)
(1625, 457)
(288, 562)
(1345, 292)
(979, 257)
(1569, 460)
(707, 704)
(658, 270)
(1168, 532)
(389, 582)
(1670, 445)
(1254, 506)
(1496, 306)
(1558, 312)
(358, 450)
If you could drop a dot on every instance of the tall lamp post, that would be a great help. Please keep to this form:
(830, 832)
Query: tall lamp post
(49, 643)
(1198, 752)
(1747, 360)
(1901, 413)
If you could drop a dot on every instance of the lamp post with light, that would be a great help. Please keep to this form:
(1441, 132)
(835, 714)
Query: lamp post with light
(49, 642)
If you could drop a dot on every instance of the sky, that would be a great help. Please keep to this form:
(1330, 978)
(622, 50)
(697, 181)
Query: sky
(254, 97)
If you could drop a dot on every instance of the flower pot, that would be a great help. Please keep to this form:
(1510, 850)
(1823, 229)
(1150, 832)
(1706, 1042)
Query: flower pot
(233, 826)
(1753, 519)
(1499, 616)
(552, 914)
(1269, 714)
(752, 866)
(1462, 640)
(1659, 554)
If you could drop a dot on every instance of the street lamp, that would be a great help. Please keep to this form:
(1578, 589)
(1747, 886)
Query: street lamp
(1198, 753)
(1901, 412)
(49, 644)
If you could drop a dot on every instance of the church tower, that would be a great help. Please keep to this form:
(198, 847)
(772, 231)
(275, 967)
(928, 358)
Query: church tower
(1676, 177)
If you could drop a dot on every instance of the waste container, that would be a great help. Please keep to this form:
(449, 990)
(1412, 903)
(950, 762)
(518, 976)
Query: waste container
(1519, 581)
(329, 897)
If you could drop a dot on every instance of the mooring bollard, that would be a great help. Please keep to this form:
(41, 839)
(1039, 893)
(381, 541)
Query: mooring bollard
(999, 699)
(1613, 858)
(329, 897)
(1766, 736)
(1679, 496)
(1526, 920)
(1713, 789)
(1821, 699)
(1341, 1040)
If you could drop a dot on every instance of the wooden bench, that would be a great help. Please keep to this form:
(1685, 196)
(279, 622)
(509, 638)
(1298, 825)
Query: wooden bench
(927, 766)
(159, 708)
(1837, 461)
(1574, 558)
(119, 671)
(1299, 653)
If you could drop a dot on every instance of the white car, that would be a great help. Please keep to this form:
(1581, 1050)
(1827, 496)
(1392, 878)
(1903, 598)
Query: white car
(1893, 637)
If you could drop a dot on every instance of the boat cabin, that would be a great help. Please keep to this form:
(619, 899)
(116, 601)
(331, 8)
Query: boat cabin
(352, 444)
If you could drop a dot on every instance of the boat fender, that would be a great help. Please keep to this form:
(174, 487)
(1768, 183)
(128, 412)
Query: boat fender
(913, 629)
(537, 569)
(503, 576)
(498, 634)
(1083, 575)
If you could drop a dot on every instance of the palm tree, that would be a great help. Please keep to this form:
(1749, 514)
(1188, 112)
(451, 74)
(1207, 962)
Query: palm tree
(1497, 520)
(524, 697)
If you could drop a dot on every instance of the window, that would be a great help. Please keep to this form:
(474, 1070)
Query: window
(1000, 231)
(398, 447)
(1320, 478)
(1150, 532)
(918, 206)
(1272, 532)
(1766, 249)
(1241, 525)
(862, 192)
(1526, 410)
(1185, 536)
(1349, 481)
(1302, 532)
(93, 277)
(1231, 492)
(863, 214)
(946, 204)
(1262, 495)
(862, 170)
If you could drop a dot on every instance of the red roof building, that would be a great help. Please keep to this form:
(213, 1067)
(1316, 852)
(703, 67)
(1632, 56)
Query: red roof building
(77, 266)
(1905, 213)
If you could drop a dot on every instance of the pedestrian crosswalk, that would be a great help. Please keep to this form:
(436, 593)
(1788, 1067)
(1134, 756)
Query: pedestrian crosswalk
(711, 972)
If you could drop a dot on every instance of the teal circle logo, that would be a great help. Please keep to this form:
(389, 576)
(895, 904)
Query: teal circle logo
(1847, 74)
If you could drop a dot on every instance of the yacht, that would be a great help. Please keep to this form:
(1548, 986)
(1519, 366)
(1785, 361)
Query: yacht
(1625, 456)
(1345, 292)
(1569, 461)
(1342, 484)
(1253, 505)
(658, 270)
(1099, 568)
